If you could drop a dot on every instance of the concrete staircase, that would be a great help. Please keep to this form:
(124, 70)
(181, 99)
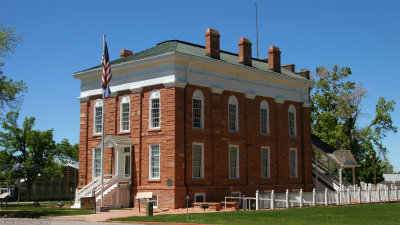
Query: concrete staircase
(94, 188)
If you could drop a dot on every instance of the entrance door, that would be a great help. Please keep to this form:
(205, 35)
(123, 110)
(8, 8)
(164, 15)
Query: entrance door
(126, 161)
(127, 164)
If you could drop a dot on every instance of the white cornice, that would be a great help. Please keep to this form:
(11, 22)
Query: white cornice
(215, 90)
(245, 69)
(136, 90)
(279, 100)
(114, 94)
(83, 99)
(124, 65)
(179, 84)
(171, 69)
(250, 96)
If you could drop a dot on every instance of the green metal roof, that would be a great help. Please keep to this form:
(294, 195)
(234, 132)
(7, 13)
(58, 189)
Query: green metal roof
(196, 50)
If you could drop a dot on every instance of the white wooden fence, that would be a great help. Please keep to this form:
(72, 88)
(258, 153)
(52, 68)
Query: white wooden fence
(354, 195)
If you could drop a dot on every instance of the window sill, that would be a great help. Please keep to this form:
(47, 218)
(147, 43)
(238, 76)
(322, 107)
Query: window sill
(265, 133)
(234, 178)
(124, 132)
(155, 129)
(197, 178)
(97, 135)
(154, 181)
(198, 128)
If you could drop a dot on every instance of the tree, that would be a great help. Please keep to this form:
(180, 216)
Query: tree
(30, 154)
(335, 110)
(11, 92)
(68, 153)
(387, 166)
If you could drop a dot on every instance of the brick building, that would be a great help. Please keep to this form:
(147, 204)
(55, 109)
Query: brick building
(190, 119)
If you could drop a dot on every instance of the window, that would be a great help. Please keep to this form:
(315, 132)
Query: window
(124, 114)
(127, 160)
(233, 161)
(265, 165)
(200, 197)
(292, 120)
(96, 162)
(98, 114)
(198, 109)
(293, 163)
(233, 114)
(154, 199)
(154, 162)
(197, 161)
(264, 117)
(155, 110)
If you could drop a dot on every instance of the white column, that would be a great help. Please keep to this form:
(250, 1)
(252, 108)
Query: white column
(397, 195)
(287, 198)
(388, 193)
(301, 198)
(379, 193)
(354, 175)
(257, 200)
(272, 199)
(359, 195)
(326, 196)
(313, 197)
(340, 179)
(348, 196)
(369, 195)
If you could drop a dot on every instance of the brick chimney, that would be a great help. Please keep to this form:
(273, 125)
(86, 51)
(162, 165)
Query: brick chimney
(124, 53)
(274, 59)
(212, 43)
(245, 51)
(290, 67)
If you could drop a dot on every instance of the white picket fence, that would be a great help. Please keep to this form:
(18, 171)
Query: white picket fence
(354, 195)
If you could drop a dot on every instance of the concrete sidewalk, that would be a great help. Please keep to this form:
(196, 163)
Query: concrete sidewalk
(104, 216)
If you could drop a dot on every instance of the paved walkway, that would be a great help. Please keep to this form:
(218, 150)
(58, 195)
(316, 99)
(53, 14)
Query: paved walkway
(103, 216)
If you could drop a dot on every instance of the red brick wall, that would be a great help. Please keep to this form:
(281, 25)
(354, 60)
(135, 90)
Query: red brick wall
(216, 139)
(177, 135)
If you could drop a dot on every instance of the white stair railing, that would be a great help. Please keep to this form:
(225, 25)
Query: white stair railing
(111, 183)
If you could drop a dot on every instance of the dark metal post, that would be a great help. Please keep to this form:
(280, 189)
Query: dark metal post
(187, 208)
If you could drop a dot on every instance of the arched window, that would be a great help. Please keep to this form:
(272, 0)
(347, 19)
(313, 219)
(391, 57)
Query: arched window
(155, 110)
(292, 121)
(198, 109)
(233, 114)
(264, 117)
(98, 117)
(124, 113)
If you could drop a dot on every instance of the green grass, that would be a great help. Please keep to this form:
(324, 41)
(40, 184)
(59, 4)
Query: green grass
(45, 209)
(356, 214)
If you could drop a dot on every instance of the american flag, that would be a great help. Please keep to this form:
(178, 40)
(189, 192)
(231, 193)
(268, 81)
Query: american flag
(107, 75)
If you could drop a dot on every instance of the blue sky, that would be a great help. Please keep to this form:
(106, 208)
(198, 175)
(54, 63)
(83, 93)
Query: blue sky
(62, 37)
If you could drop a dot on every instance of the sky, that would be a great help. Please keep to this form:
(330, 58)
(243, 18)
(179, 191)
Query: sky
(63, 37)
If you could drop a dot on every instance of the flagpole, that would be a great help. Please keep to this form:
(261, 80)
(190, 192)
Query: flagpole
(102, 138)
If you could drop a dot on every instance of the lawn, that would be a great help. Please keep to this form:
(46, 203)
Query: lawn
(45, 209)
(355, 214)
